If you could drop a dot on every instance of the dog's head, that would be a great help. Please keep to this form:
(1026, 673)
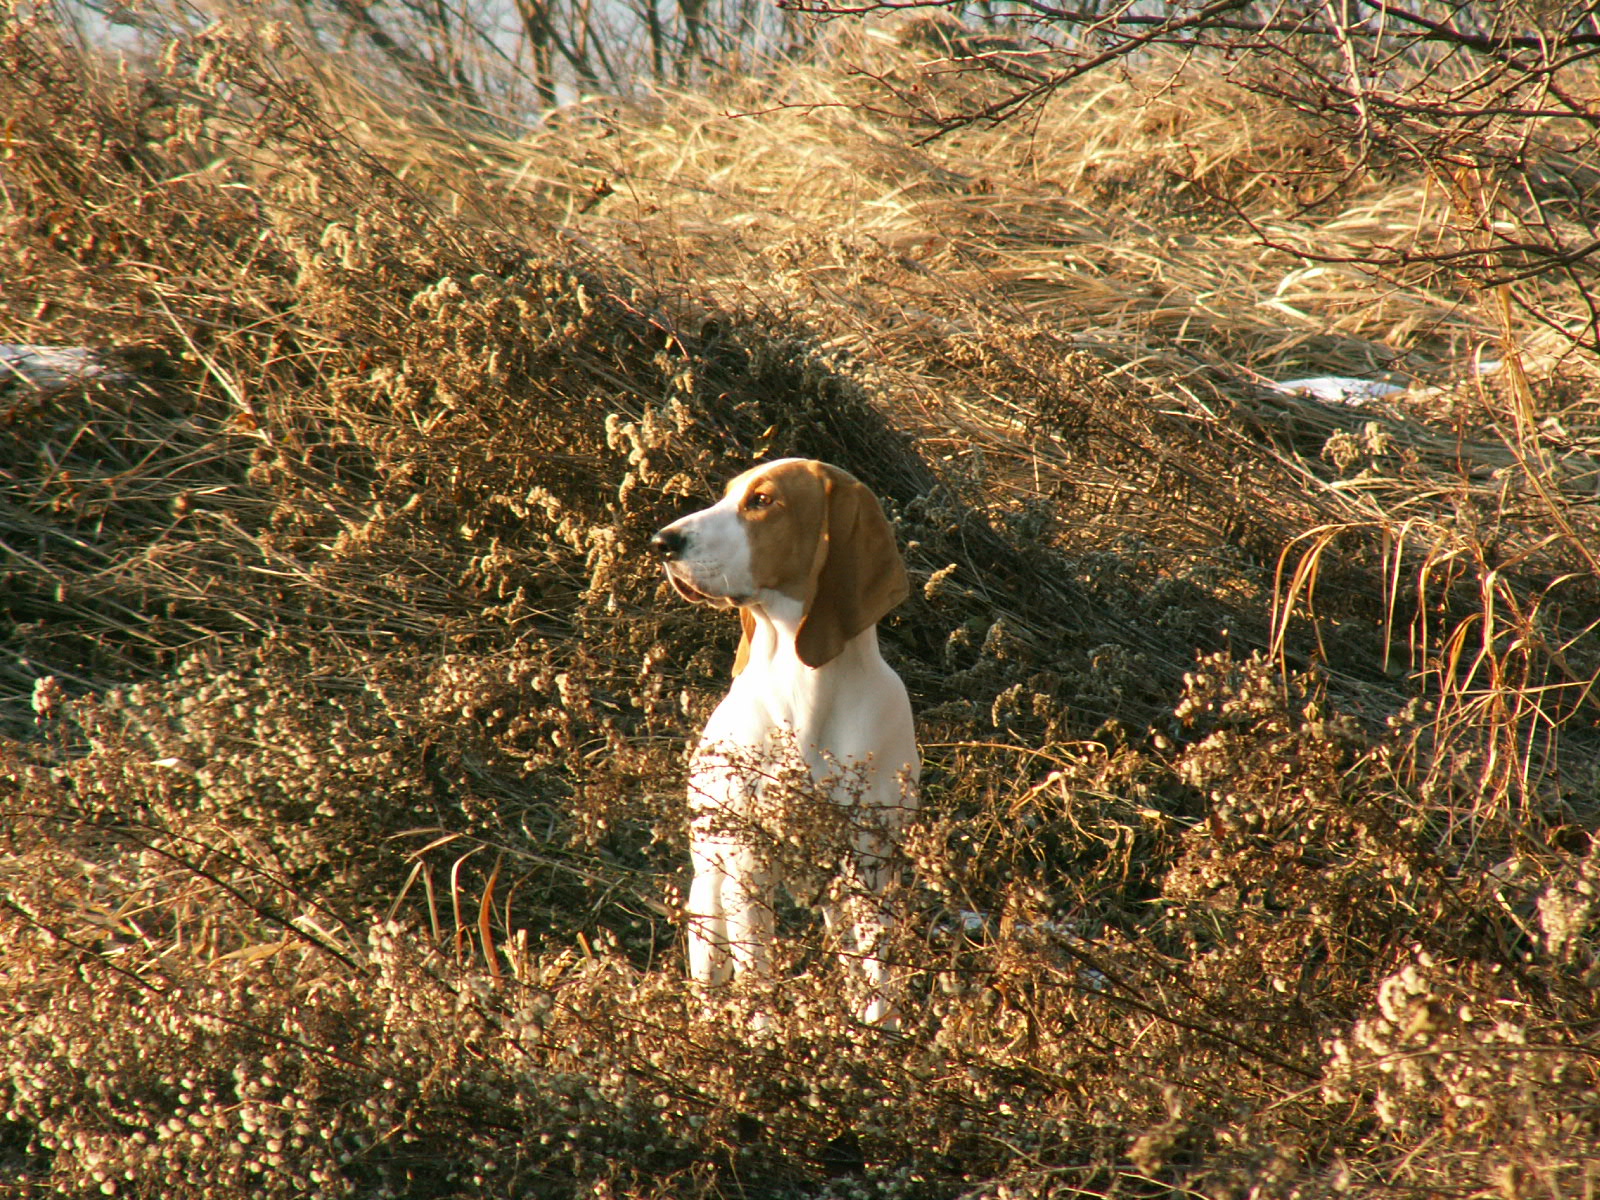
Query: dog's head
(798, 528)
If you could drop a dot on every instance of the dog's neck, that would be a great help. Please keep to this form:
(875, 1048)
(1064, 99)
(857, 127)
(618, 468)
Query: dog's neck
(772, 641)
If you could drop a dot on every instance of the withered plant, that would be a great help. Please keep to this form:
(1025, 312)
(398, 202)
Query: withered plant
(343, 811)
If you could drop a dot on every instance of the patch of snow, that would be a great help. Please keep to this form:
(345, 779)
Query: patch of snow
(1337, 389)
(50, 368)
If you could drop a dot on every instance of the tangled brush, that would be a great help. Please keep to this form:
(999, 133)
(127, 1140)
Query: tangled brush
(345, 715)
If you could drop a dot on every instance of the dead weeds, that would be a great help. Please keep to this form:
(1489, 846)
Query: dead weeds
(343, 817)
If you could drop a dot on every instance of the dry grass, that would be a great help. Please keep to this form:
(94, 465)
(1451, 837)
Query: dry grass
(343, 820)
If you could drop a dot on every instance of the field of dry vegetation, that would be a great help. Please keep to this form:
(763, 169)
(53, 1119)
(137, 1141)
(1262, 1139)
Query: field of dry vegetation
(343, 714)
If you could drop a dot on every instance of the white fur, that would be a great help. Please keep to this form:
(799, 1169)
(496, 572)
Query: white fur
(843, 729)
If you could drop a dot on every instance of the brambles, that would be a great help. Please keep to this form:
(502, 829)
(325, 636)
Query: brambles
(344, 827)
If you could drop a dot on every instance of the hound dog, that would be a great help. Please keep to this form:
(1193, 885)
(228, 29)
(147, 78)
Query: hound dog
(803, 551)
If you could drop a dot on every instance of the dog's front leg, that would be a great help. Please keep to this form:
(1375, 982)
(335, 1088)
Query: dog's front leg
(748, 915)
(709, 959)
(730, 921)
(858, 912)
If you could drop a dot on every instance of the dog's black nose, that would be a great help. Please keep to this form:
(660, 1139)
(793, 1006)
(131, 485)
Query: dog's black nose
(668, 544)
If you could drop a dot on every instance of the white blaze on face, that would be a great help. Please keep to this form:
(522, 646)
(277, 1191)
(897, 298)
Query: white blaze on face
(714, 565)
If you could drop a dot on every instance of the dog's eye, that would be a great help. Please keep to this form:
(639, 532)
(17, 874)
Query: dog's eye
(758, 500)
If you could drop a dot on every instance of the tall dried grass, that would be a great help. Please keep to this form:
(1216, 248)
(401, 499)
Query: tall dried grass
(343, 822)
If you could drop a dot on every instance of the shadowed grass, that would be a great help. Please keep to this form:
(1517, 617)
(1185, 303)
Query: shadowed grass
(343, 825)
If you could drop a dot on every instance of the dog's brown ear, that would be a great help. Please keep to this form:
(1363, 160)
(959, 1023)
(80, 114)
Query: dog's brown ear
(861, 576)
(747, 625)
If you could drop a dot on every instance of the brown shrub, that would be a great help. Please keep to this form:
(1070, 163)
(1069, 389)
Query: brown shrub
(343, 823)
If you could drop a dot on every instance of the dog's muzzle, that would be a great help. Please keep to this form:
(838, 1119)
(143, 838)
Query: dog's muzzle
(669, 544)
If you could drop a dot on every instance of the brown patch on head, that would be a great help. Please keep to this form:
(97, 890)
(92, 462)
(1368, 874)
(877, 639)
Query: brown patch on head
(818, 534)
(783, 507)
